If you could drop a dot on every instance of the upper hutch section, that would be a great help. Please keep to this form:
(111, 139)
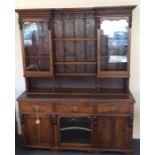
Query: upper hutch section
(76, 42)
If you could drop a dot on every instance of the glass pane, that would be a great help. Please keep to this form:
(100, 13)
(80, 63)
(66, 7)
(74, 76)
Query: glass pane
(114, 45)
(36, 46)
(75, 130)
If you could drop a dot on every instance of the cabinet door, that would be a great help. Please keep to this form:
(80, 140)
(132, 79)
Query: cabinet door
(113, 47)
(114, 132)
(105, 128)
(75, 131)
(37, 134)
(37, 48)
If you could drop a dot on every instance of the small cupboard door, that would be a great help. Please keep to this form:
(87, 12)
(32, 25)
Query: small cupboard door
(37, 131)
(37, 50)
(105, 129)
(114, 132)
(75, 131)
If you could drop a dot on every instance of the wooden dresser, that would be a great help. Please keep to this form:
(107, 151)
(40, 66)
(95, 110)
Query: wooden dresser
(76, 66)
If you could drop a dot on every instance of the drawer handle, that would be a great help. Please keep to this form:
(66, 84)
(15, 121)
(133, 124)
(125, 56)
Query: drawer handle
(74, 108)
(113, 109)
(36, 108)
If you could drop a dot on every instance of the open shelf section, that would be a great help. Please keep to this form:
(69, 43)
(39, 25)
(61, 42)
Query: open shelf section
(75, 74)
(78, 91)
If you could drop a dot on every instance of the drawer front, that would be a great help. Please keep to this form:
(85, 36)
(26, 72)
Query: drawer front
(35, 107)
(74, 108)
(113, 108)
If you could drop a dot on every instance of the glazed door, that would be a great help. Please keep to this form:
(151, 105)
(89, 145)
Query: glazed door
(37, 53)
(37, 131)
(75, 131)
(115, 132)
(113, 47)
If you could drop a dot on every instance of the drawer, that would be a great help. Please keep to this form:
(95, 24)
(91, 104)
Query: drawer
(113, 108)
(75, 108)
(35, 107)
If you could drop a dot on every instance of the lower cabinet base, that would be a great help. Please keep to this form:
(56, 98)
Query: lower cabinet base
(90, 150)
(96, 150)
(81, 126)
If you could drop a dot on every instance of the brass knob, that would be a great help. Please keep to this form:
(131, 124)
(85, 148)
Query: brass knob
(37, 108)
(113, 109)
(74, 108)
(37, 121)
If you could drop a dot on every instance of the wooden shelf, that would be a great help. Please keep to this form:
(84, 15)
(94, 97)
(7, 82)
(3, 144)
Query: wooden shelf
(40, 54)
(75, 39)
(78, 91)
(36, 56)
(75, 63)
(75, 74)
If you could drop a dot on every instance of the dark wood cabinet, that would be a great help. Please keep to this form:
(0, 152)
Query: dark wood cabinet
(76, 66)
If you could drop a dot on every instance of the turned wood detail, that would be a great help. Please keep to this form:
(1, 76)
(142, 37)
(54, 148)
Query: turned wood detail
(54, 119)
(130, 121)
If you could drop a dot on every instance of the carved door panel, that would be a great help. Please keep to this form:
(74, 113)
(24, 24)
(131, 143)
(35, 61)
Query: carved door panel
(37, 132)
(105, 128)
(120, 132)
(115, 132)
